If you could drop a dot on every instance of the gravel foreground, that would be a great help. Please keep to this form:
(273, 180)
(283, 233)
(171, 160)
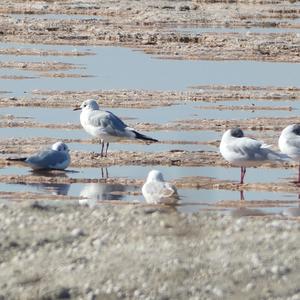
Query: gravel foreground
(134, 252)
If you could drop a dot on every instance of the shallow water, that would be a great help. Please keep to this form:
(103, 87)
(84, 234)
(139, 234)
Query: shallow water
(120, 68)
(267, 175)
(191, 200)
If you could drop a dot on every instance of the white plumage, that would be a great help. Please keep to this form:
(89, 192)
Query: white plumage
(246, 152)
(157, 191)
(289, 143)
(106, 126)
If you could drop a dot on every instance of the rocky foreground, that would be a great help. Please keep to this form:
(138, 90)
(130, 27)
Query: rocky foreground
(134, 252)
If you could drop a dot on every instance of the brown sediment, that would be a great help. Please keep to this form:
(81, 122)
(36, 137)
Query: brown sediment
(256, 124)
(190, 182)
(126, 158)
(148, 99)
(40, 52)
(39, 66)
(252, 107)
(14, 77)
(154, 28)
(64, 75)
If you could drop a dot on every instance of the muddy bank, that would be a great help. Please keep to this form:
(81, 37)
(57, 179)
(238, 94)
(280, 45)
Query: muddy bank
(153, 27)
(148, 99)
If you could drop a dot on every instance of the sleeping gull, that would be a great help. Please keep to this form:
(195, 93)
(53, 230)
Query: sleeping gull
(57, 157)
(289, 143)
(105, 125)
(157, 191)
(245, 152)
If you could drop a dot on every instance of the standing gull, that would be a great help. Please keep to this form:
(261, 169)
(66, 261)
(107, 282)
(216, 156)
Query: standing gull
(57, 158)
(106, 126)
(245, 152)
(157, 191)
(289, 143)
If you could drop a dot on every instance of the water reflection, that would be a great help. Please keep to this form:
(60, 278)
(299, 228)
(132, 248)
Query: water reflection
(94, 192)
(292, 212)
(120, 68)
(52, 188)
(246, 212)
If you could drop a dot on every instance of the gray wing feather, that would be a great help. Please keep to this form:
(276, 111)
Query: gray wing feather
(255, 150)
(108, 122)
(47, 158)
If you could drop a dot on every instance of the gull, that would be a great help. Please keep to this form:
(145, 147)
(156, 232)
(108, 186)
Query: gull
(57, 158)
(289, 143)
(246, 152)
(106, 126)
(157, 191)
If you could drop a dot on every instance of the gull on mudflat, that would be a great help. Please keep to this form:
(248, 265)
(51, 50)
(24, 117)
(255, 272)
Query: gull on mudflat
(246, 152)
(289, 143)
(57, 157)
(106, 126)
(157, 191)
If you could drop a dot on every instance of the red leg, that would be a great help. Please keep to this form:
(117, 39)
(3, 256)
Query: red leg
(243, 172)
(242, 198)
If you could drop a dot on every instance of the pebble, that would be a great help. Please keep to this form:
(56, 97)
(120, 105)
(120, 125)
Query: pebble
(77, 232)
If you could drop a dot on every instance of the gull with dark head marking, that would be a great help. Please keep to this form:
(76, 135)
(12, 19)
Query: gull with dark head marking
(106, 126)
(289, 143)
(157, 191)
(246, 152)
(57, 158)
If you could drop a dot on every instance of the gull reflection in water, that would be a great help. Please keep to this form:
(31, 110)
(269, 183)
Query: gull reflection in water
(94, 192)
(53, 188)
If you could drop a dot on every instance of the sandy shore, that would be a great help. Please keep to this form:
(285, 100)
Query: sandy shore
(132, 252)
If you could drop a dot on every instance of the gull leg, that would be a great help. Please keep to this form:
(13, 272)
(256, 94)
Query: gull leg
(102, 147)
(102, 173)
(299, 174)
(242, 198)
(107, 144)
(243, 172)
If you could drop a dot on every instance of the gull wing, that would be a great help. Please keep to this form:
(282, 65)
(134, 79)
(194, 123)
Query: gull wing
(160, 192)
(108, 122)
(47, 159)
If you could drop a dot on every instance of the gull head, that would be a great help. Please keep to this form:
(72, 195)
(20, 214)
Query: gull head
(155, 175)
(60, 146)
(236, 132)
(295, 128)
(290, 130)
(89, 104)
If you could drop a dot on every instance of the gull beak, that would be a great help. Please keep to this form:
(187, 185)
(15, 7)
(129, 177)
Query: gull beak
(77, 108)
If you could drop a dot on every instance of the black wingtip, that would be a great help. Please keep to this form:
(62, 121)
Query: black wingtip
(144, 137)
(16, 159)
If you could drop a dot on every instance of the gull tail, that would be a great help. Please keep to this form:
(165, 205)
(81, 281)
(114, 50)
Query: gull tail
(278, 156)
(143, 137)
(16, 159)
